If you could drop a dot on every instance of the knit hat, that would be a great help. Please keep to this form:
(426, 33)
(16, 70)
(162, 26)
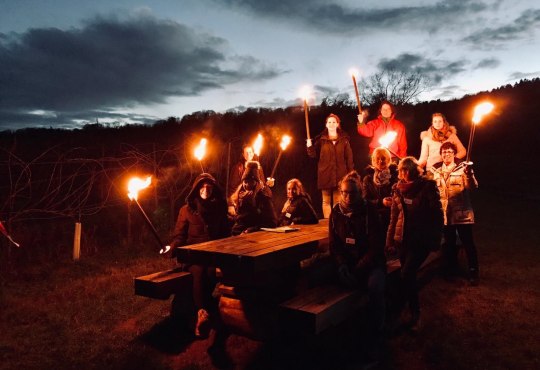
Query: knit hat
(251, 171)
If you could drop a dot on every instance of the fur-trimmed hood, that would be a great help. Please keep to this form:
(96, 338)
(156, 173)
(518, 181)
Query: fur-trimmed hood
(428, 134)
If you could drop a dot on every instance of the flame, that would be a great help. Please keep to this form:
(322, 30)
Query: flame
(136, 184)
(306, 93)
(200, 150)
(257, 145)
(481, 110)
(353, 72)
(387, 139)
(285, 141)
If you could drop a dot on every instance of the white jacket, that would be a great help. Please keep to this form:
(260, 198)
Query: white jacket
(430, 155)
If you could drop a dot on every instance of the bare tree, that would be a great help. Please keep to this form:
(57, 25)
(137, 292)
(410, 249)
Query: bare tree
(397, 87)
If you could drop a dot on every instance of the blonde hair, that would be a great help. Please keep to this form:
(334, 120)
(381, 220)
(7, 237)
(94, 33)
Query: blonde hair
(380, 151)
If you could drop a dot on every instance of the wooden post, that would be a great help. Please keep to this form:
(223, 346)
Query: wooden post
(77, 242)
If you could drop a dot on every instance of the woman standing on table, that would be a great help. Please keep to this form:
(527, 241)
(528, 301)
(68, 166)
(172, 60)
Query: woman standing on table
(202, 218)
(297, 208)
(416, 222)
(440, 132)
(333, 148)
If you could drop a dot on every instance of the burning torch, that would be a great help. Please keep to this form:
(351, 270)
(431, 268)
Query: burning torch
(134, 186)
(387, 139)
(200, 151)
(479, 111)
(257, 145)
(354, 73)
(285, 141)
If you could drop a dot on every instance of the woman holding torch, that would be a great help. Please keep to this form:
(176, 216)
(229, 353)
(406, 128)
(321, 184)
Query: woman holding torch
(202, 218)
(440, 132)
(384, 123)
(333, 148)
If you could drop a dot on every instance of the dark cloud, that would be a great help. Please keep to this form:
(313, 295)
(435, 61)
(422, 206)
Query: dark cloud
(112, 62)
(520, 75)
(333, 17)
(435, 70)
(449, 92)
(523, 26)
(488, 63)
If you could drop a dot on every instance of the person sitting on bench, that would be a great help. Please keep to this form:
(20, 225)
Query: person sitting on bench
(297, 208)
(202, 218)
(358, 249)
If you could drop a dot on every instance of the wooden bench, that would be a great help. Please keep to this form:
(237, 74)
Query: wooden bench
(322, 307)
(161, 285)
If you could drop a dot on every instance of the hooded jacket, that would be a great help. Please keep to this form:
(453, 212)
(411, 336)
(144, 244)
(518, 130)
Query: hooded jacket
(201, 220)
(335, 160)
(430, 153)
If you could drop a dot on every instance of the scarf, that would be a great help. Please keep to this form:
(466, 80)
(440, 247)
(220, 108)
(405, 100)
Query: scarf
(442, 134)
(286, 206)
(381, 177)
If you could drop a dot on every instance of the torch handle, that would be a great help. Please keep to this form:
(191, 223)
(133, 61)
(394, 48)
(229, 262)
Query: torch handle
(149, 223)
(471, 138)
(357, 95)
(306, 116)
(276, 164)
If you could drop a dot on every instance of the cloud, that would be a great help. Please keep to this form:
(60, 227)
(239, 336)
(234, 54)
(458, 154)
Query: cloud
(488, 63)
(116, 62)
(434, 69)
(521, 75)
(334, 17)
(490, 38)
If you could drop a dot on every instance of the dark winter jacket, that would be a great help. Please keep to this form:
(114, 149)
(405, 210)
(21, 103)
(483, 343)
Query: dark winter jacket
(253, 210)
(201, 220)
(355, 240)
(298, 211)
(416, 215)
(335, 160)
(374, 194)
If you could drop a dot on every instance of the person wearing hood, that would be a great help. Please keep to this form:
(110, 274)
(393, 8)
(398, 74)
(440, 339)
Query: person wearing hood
(333, 149)
(297, 208)
(440, 132)
(358, 250)
(252, 202)
(384, 123)
(202, 218)
(377, 185)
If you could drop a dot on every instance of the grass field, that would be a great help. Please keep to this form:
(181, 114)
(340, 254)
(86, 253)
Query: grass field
(84, 315)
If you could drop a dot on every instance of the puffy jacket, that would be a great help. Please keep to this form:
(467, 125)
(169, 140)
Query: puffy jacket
(335, 160)
(377, 128)
(416, 213)
(430, 153)
(454, 187)
(201, 220)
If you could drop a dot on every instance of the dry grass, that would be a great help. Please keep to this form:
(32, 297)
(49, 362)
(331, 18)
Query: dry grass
(84, 315)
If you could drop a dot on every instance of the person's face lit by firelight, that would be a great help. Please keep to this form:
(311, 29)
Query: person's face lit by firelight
(206, 190)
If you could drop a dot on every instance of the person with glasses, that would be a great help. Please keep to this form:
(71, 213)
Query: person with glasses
(455, 180)
(416, 222)
(333, 148)
(358, 250)
(440, 132)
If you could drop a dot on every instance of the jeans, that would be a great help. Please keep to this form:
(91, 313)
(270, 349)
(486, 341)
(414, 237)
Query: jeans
(450, 250)
(329, 198)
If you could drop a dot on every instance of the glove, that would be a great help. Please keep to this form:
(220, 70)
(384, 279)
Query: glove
(308, 143)
(469, 171)
(345, 276)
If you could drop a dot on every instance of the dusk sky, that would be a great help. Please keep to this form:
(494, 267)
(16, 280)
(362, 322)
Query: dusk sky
(64, 63)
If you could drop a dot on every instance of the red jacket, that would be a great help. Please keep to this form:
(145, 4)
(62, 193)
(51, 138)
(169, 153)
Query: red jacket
(377, 128)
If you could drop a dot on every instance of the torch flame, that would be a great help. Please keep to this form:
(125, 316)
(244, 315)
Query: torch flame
(257, 145)
(353, 72)
(136, 184)
(387, 139)
(200, 150)
(481, 110)
(285, 141)
(305, 93)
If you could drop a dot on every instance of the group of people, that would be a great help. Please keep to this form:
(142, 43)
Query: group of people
(394, 210)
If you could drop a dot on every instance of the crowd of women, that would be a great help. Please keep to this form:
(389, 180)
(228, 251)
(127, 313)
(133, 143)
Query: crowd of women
(396, 209)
